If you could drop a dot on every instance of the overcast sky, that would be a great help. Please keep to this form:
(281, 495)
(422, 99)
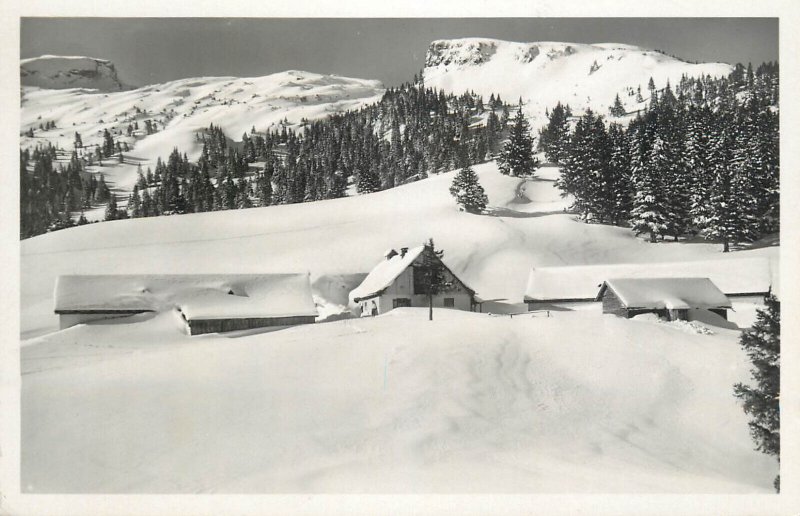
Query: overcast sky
(150, 50)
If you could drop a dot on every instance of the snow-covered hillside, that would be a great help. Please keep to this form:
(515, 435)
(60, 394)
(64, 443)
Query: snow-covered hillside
(180, 109)
(526, 226)
(64, 72)
(467, 403)
(545, 73)
(578, 402)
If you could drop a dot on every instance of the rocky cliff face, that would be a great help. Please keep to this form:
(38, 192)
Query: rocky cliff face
(62, 72)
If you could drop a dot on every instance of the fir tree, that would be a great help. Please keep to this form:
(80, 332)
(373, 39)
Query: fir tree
(586, 174)
(619, 167)
(108, 143)
(617, 109)
(649, 213)
(698, 149)
(553, 139)
(430, 273)
(367, 180)
(112, 213)
(135, 203)
(468, 192)
(517, 157)
(726, 207)
(762, 400)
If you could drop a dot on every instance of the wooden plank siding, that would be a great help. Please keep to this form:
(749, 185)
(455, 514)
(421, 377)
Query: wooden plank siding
(201, 326)
(612, 304)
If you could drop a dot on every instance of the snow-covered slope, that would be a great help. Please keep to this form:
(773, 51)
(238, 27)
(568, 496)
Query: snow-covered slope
(544, 73)
(181, 108)
(493, 253)
(63, 72)
(466, 403)
(577, 402)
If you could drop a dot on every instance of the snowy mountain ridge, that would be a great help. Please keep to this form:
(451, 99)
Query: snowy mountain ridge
(180, 109)
(545, 73)
(541, 73)
(62, 72)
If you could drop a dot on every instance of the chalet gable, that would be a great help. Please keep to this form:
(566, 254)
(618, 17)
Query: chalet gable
(391, 267)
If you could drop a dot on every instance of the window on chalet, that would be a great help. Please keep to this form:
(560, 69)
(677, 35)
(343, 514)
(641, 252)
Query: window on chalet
(400, 302)
(449, 302)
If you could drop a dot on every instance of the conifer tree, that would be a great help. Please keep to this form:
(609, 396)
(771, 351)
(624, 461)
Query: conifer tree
(698, 149)
(553, 139)
(762, 343)
(367, 180)
(617, 109)
(112, 213)
(517, 157)
(619, 167)
(726, 222)
(468, 192)
(586, 174)
(430, 274)
(648, 215)
(108, 143)
(135, 203)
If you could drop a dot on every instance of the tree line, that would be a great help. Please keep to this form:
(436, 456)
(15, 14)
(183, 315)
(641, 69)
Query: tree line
(411, 132)
(703, 159)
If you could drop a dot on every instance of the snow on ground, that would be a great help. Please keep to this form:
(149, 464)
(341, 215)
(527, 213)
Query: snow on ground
(467, 403)
(545, 73)
(576, 402)
(492, 253)
(182, 108)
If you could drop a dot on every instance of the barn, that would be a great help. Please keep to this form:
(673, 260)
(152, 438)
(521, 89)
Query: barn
(670, 298)
(744, 280)
(202, 303)
(396, 282)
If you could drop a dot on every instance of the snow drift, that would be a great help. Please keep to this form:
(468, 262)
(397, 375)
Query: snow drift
(393, 404)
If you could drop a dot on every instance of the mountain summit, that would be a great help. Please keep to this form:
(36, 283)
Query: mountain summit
(544, 73)
(62, 72)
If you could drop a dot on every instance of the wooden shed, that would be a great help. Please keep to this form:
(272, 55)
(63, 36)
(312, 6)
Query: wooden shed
(743, 280)
(204, 303)
(670, 298)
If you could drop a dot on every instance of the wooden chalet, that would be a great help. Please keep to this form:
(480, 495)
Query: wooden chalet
(395, 282)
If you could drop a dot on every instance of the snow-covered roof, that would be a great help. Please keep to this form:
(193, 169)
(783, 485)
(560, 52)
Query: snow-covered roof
(733, 276)
(385, 273)
(670, 293)
(198, 296)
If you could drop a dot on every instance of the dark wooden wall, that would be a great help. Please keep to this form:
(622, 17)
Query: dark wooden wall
(200, 326)
(613, 304)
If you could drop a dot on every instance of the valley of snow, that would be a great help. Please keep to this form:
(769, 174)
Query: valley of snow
(545, 73)
(575, 402)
